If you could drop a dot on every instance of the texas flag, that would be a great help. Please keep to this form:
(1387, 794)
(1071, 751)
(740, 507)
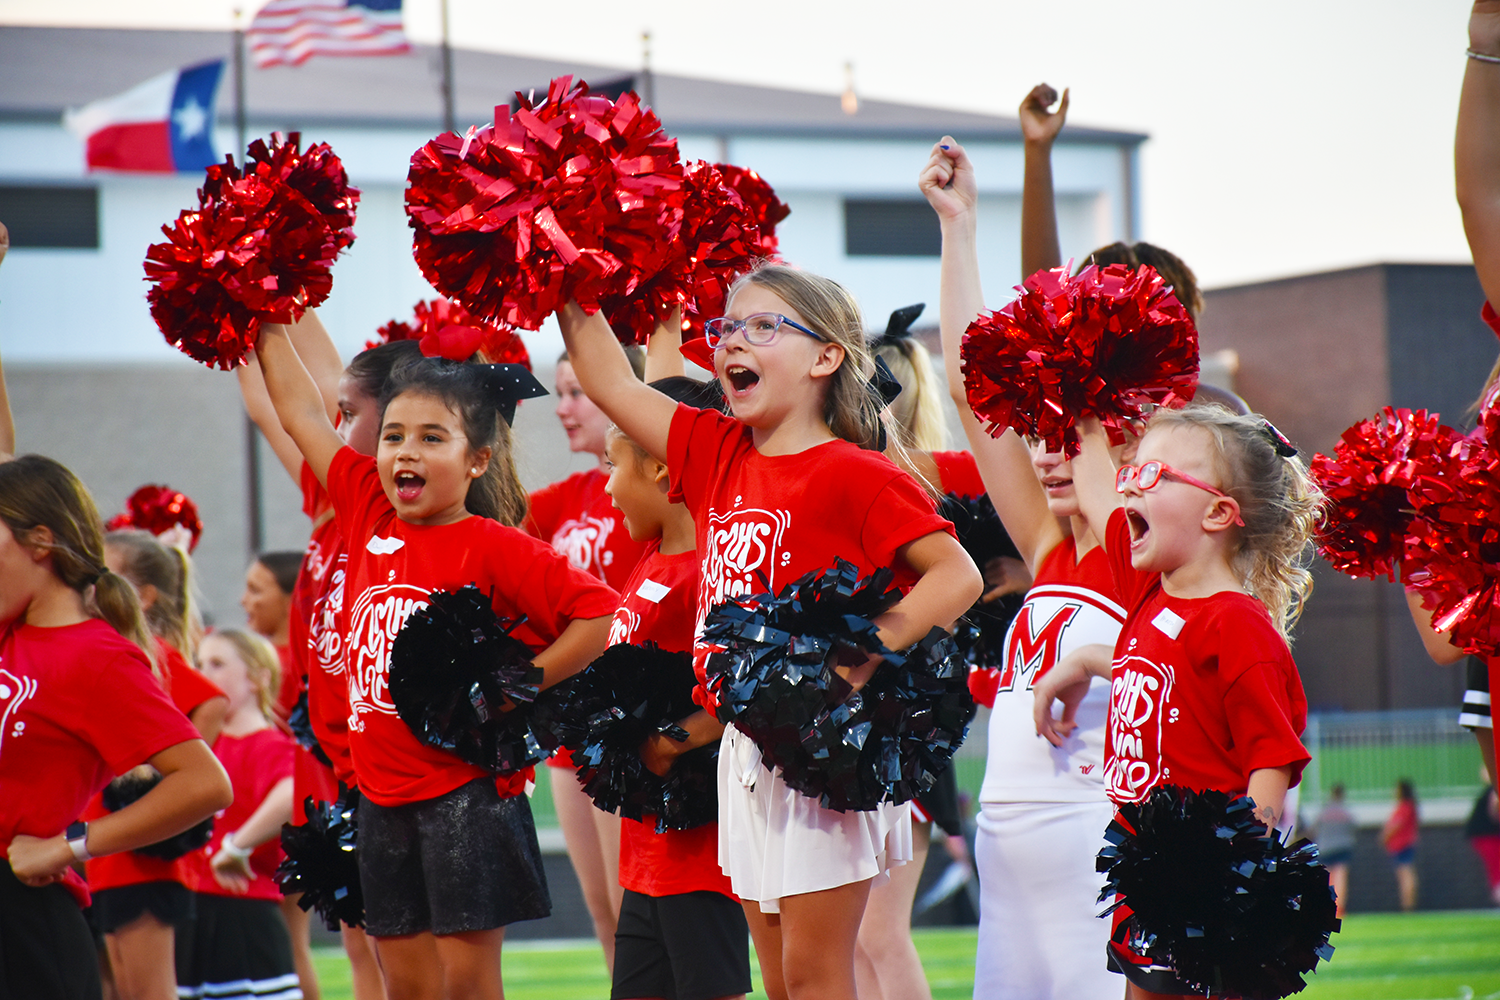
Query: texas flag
(162, 125)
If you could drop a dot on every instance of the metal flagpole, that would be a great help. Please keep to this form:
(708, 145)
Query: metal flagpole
(450, 123)
(255, 534)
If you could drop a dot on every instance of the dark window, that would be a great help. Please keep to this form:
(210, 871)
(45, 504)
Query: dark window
(891, 227)
(40, 216)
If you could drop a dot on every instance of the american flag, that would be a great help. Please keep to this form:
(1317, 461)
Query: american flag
(288, 32)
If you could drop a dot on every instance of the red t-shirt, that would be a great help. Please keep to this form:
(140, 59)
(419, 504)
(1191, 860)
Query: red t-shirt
(1202, 691)
(327, 681)
(78, 705)
(188, 689)
(255, 763)
(659, 604)
(763, 521)
(392, 568)
(578, 518)
(958, 473)
(1402, 829)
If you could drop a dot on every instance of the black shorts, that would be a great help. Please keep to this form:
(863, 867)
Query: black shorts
(237, 949)
(46, 951)
(464, 861)
(170, 902)
(688, 946)
(1475, 713)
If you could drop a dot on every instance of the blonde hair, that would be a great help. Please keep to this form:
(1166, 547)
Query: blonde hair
(262, 665)
(831, 312)
(38, 492)
(1278, 501)
(917, 414)
(168, 569)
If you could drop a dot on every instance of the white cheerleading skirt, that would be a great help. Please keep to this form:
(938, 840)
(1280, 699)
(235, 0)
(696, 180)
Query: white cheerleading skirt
(776, 842)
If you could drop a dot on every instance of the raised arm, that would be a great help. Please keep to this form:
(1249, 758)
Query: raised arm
(1039, 128)
(296, 399)
(1443, 652)
(321, 359)
(1004, 463)
(1477, 148)
(663, 354)
(1094, 476)
(644, 414)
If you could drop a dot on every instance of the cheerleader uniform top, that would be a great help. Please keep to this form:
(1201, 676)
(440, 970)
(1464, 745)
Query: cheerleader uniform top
(659, 605)
(188, 689)
(1202, 690)
(78, 705)
(765, 520)
(393, 567)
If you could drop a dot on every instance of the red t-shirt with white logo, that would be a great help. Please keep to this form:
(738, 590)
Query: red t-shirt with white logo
(1071, 603)
(765, 520)
(659, 604)
(323, 567)
(188, 689)
(1202, 691)
(393, 566)
(254, 762)
(78, 705)
(579, 520)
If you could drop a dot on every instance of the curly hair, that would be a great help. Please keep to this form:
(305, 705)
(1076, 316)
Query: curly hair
(1278, 502)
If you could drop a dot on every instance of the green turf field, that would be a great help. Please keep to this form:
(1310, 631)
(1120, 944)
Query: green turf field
(1424, 956)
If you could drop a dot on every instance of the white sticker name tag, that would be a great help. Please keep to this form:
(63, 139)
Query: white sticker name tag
(652, 591)
(1168, 623)
(383, 546)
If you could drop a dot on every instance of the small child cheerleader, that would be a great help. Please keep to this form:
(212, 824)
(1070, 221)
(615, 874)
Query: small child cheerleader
(448, 854)
(239, 946)
(1205, 535)
(787, 487)
(681, 931)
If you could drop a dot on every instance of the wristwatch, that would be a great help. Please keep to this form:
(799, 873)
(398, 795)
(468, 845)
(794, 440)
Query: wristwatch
(77, 836)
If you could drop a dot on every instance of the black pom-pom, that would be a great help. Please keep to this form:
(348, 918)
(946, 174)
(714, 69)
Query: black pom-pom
(299, 721)
(606, 712)
(980, 633)
(132, 785)
(774, 678)
(1231, 910)
(321, 861)
(455, 670)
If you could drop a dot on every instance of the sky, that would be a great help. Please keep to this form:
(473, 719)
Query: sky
(1287, 136)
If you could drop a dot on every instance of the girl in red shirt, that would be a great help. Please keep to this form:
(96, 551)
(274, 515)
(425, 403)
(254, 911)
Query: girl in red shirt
(78, 704)
(138, 899)
(786, 487)
(1207, 531)
(448, 854)
(239, 946)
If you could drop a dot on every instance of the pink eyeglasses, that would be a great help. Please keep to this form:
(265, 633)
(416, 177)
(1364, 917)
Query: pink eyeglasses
(1149, 475)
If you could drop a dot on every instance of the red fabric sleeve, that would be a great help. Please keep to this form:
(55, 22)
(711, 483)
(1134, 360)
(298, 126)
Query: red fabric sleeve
(958, 473)
(314, 496)
(901, 512)
(548, 590)
(693, 445)
(354, 490)
(140, 721)
(1130, 583)
(1263, 698)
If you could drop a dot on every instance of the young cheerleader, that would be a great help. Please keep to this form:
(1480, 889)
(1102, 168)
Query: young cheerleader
(1042, 808)
(78, 704)
(787, 488)
(138, 899)
(448, 854)
(315, 629)
(681, 931)
(1206, 535)
(576, 517)
(239, 947)
(267, 600)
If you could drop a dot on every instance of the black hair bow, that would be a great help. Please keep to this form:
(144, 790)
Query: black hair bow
(507, 385)
(899, 325)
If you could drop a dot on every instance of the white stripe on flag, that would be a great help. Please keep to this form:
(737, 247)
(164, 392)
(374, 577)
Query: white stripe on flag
(145, 102)
(288, 32)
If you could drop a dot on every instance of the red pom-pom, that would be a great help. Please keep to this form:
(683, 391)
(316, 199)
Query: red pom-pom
(157, 509)
(1381, 472)
(445, 329)
(316, 173)
(577, 198)
(760, 198)
(258, 248)
(1108, 343)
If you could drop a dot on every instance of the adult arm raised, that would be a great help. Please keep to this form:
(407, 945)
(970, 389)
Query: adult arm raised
(1039, 127)
(296, 399)
(1477, 147)
(321, 359)
(599, 361)
(1004, 462)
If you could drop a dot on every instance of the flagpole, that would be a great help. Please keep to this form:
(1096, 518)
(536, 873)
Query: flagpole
(255, 536)
(450, 122)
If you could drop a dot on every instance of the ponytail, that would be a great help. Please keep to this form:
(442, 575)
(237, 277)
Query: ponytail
(145, 561)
